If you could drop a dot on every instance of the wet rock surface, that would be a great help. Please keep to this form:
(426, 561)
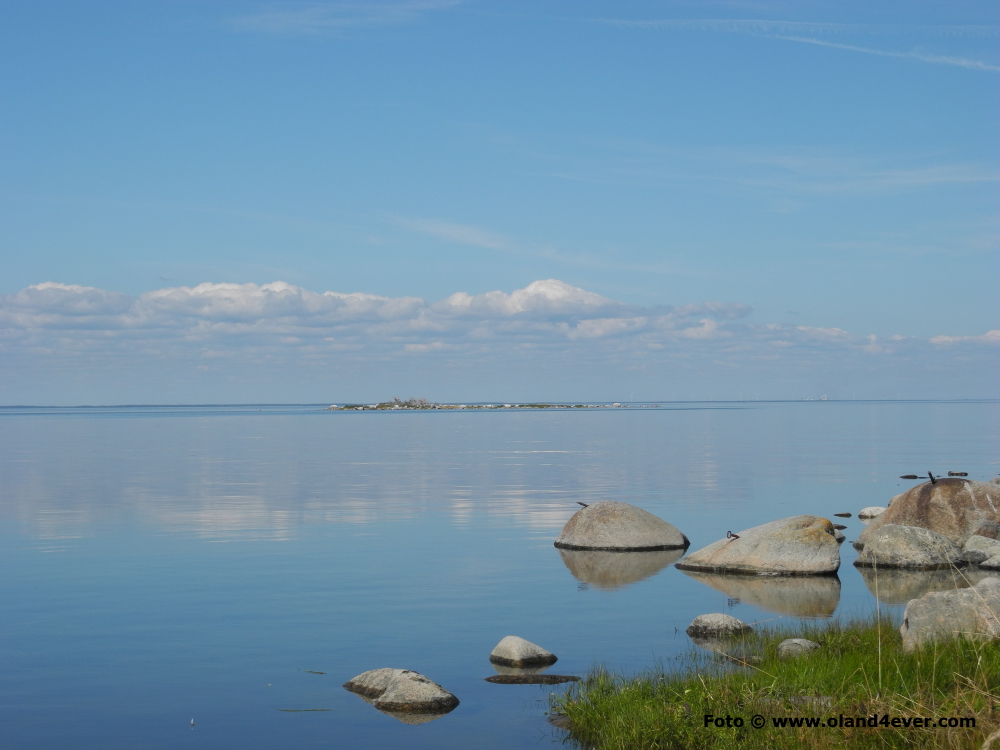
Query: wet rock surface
(513, 651)
(717, 625)
(531, 679)
(800, 545)
(800, 596)
(893, 546)
(969, 613)
(794, 647)
(615, 526)
(955, 508)
(402, 691)
(872, 511)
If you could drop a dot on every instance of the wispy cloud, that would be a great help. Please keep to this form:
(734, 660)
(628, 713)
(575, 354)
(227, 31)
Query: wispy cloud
(990, 337)
(772, 26)
(462, 234)
(961, 62)
(329, 18)
(793, 31)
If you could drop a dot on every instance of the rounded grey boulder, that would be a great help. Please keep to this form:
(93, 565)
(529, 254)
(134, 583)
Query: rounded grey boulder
(792, 647)
(615, 526)
(517, 652)
(871, 511)
(800, 545)
(716, 625)
(969, 613)
(895, 546)
(400, 690)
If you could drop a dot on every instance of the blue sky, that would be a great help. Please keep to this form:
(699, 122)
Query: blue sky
(719, 198)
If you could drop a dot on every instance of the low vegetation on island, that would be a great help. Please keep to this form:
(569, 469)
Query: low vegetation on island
(416, 404)
(859, 690)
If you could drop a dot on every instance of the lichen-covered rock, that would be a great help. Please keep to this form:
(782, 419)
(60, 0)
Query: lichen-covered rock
(871, 511)
(411, 691)
(373, 683)
(953, 507)
(800, 545)
(611, 525)
(400, 690)
(517, 652)
(717, 625)
(976, 543)
(792, 647)
(910, 547)
(969, 613)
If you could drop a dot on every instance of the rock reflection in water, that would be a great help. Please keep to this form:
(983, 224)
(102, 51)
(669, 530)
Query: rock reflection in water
(501, 669)
(613, 570)
(801, 596)
(407, 717)
(897, 586)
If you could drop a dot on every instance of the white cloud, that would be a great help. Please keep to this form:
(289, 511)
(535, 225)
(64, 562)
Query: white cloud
(990, 337)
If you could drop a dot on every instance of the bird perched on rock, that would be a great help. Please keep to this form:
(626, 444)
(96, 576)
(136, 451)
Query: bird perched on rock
(933, 480)
(583, 504)
(731, 535)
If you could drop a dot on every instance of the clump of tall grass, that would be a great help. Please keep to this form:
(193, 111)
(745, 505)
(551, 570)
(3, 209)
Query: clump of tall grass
(860, 671)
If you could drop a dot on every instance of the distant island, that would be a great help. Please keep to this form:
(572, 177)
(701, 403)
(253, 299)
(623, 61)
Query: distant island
(418, 404)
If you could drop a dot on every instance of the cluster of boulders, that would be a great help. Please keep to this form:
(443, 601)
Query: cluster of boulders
(415, 699)
(931, 530)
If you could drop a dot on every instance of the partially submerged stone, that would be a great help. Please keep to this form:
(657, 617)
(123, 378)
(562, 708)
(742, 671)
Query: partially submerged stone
(976, 543)
(912, 547)
(871, 511)
(953, 507)
(402, 691)
(800, 596)
(717, 625)
(969, 613)
(615, 526)
(800, 545)
(517, 652)
(793, 647)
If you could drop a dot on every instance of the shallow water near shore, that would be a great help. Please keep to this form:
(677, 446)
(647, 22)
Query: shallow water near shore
(236, 565)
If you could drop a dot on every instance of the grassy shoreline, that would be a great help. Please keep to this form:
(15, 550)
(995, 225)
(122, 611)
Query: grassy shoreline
(860, 671)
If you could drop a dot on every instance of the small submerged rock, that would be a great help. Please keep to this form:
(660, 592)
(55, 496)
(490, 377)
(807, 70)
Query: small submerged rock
(531, 679)
(717, 625)
(517, 652)
(401, 690)
(842, 515)
(615, 526)
(792, 647)
(871, 511)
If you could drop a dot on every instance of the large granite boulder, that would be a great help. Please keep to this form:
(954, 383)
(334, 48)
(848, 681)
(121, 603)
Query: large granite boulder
(613, 570)
(611, 525)
(799, 596)
(911, 547)
(717, 625)
(955, 508)
(800, 545)
(517, 652)
(400, 690)
(969, 613)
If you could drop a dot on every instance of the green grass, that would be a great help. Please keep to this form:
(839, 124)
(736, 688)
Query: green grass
(861, 670)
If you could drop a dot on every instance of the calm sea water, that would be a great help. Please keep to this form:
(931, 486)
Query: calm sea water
(164, 564)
